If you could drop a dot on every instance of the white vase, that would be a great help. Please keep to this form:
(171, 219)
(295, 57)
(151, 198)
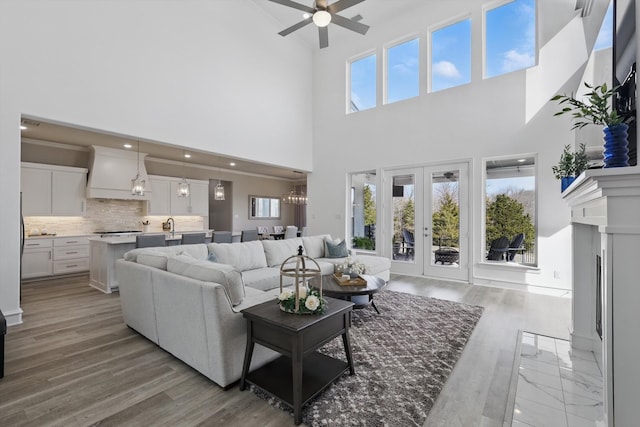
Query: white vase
(145, 228)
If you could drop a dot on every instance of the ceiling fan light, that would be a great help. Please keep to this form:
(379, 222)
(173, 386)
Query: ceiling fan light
(321, 18)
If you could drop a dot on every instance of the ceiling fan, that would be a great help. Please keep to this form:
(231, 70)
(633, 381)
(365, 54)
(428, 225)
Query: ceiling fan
(321, 14)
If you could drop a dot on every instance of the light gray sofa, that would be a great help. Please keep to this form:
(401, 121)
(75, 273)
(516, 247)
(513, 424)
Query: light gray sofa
(187, 299)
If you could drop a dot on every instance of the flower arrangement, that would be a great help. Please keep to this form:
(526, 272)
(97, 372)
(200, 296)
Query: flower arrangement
(310, 301)
(351, 267)
(147, 222)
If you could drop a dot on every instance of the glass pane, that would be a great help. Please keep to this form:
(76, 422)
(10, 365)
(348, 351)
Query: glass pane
(363, 84)
(404, 218)
(275, 207)
(605, 36)
(363, 217)
(510, 191)
(510, 37)
(451, 56)
(402, 71)
(445, 218)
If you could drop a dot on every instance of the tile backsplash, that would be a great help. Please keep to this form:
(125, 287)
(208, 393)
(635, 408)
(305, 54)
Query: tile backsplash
(110, 215)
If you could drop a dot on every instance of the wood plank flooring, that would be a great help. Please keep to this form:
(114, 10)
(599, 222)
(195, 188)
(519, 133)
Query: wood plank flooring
(73, 362)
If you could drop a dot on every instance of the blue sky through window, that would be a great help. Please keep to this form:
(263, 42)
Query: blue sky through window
(451, 56)
(510, 37)
(402, 71)
(363, 83)
(605, 36)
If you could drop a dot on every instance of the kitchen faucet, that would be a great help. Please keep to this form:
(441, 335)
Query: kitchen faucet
(173, 226)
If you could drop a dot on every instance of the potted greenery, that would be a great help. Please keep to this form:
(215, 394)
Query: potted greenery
(598, 111)
(570, 165)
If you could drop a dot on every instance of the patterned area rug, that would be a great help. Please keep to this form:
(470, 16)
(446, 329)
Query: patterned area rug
(402, 357)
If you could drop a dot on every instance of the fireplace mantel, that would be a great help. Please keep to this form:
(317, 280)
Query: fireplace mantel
(605, 217)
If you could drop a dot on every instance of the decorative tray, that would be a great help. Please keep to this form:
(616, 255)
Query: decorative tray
(345, 281)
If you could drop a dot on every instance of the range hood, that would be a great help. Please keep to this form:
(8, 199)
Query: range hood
(111, 171)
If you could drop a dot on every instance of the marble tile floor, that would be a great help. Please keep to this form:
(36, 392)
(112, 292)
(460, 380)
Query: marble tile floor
(557, 385)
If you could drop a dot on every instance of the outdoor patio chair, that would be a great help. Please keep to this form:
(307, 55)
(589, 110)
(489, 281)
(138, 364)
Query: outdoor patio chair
(409, 243)
(498, 249)
(515, 246)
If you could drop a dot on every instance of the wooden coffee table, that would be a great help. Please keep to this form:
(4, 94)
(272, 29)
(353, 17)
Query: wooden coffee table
(331, 288)
(301, 373)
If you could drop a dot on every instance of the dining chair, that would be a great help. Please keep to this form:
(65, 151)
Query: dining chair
(291, 232)
(222, 237)
(150, 240)
(249, 235)
(304, 232)
(193, 238)
(278, 229)
(263, 232)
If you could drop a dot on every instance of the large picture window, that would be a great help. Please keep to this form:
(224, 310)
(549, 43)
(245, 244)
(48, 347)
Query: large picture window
(510, 34)
(364, 211)
(510, 210)
(362, 77)
(402, 71)
(451, 56)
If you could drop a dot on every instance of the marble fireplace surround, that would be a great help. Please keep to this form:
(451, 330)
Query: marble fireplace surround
(605, 217)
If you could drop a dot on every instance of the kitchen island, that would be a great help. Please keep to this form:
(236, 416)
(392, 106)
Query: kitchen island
(103, 253)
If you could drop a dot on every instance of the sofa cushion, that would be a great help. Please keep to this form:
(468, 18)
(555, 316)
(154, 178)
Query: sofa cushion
(374, 264)
(243, 256)
(335, 249)
(208, 271)
(153, 259)
(198, 251)
(276, 251)
(314, 245)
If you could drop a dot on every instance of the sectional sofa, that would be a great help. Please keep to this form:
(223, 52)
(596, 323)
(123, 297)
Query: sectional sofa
(187, 299)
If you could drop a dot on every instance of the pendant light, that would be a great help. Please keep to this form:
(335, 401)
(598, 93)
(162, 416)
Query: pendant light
(183, 186)
(218, 193)
(137, 184)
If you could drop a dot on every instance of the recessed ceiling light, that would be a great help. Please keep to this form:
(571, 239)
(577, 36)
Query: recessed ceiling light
(127, 145)
(23, 127)
(187, 155)
(522, 160)
(232, 164)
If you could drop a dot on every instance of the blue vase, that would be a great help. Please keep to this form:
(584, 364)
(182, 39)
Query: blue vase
(566, 181)
(616, 151)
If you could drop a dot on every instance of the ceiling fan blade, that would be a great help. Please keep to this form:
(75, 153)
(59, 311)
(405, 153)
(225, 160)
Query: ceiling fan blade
(295, 5)
(356, 18)
(349, 24)
(323, 34)
(342, 5)
(297, 26)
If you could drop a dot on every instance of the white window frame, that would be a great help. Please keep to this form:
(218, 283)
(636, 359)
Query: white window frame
(385, 65)
(348, 79)
(440, 25)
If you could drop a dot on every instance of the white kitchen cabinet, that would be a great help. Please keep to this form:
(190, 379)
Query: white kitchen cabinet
(70, 255)
(103, 255)
(37, 260)
(159, 202)
(49, 190)
(165, 201)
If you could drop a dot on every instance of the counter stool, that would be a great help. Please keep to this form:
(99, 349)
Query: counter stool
(3, 331)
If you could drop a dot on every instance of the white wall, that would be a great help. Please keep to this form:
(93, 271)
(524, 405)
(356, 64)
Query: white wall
(210, 75)
(482, 119)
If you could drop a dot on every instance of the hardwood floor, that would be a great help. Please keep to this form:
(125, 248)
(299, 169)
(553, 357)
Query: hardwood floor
(73, 362)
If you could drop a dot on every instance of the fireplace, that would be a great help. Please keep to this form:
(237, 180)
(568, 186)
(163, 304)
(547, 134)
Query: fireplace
(605, 317)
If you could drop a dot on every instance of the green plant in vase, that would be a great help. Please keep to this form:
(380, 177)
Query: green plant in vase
(599, 111)
(570, 165)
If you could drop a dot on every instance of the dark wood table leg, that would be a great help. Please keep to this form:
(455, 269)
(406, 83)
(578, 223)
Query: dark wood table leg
(296, 367)
(373, 304)
(248, 353)
(346, 340)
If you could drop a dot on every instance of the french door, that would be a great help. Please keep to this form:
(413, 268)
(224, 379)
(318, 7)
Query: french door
(428, 211)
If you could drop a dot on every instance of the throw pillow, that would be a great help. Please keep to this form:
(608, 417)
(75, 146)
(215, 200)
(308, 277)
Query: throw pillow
(335, 250)
(212, 257)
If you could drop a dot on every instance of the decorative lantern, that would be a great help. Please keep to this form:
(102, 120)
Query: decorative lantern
(301, 299)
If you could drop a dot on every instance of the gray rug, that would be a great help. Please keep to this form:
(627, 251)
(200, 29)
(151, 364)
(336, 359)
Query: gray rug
(402, 357)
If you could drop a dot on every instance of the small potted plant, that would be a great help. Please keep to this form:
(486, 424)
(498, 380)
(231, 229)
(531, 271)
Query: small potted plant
(598, 111)
(570, 165)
